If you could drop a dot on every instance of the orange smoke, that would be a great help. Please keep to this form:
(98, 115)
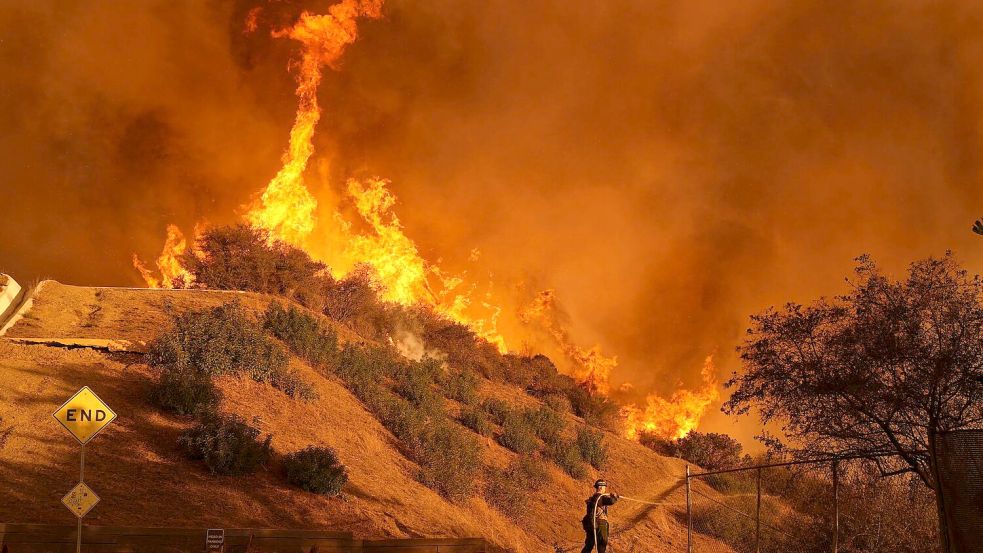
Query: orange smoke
(287, 207)
(289, 212)
(172, 273)
(677, 416)
(404, 276)
(589, 365)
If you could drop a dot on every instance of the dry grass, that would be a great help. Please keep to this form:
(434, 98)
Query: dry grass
(143, 478)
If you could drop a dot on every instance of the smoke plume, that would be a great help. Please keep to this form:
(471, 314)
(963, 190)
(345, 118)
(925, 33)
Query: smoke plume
(667, 168)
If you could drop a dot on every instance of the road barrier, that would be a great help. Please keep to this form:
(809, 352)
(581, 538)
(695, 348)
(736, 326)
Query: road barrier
(10, 294)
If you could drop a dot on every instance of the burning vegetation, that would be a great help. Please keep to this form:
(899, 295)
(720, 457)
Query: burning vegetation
(371, 266)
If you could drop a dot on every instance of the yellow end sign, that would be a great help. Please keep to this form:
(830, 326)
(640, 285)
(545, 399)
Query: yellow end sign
(84, 415)
(80, 500)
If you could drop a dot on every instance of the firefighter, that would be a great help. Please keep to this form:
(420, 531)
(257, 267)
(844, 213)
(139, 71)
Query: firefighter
(595, 522)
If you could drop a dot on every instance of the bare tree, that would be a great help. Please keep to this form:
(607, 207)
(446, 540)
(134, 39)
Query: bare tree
(882, 369)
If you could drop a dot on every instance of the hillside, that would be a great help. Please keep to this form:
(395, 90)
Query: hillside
(93, 336)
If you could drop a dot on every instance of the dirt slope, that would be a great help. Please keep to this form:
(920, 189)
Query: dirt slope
(144, 479)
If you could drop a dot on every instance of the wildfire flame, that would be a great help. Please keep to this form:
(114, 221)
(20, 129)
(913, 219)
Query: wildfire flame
(172, 273)
(590, 366)
(405, 277)
(287, 207)
(287, 211)
(677, 416)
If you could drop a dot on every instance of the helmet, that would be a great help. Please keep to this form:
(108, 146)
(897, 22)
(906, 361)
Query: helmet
(600, 483)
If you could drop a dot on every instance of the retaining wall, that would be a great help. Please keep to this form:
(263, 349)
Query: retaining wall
(47, 538)
(9, 297)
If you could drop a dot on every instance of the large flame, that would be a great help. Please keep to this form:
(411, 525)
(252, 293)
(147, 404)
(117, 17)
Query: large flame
(589, 365)
(172, 273)
(404, 276)
(288, 211)
(677, 416)
(287, 207)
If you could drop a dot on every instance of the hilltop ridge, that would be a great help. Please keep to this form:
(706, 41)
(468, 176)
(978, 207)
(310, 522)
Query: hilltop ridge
(144, 478)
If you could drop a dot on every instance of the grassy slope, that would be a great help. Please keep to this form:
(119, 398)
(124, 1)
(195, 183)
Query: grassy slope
(143, 478)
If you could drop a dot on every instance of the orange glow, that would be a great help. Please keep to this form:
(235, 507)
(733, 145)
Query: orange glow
(252, 22)
(289, 212)
(590, 365)
(286, 208)
(404, 276)
(677, 416)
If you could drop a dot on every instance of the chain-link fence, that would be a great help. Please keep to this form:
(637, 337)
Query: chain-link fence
(840, 505)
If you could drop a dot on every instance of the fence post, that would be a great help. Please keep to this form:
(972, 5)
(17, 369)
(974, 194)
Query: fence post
(757, 517)
(689, 516)
(836, 506)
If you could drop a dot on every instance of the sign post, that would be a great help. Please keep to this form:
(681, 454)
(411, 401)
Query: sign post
(84, 415)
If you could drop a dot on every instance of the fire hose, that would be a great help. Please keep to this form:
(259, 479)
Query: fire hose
(627, 498)
(648, 502)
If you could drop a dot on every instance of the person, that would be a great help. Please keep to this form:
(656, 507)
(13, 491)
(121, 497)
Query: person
(595, 522)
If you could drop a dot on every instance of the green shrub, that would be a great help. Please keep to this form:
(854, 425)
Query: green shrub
(400, 417)
(354, 300)
(477, 420)
(415, 382)
(509, 489)
(363, 367)
(596, 410)
(709, 450)
(590, 443)
(538, 375)
(377, 398)
(546, 423)
(517, 434)
(304, 335)
(228, 445)
(464, 349)
(450, 459)
(292, 384)
(566, 455)
(657, 443)
(448, 456)
(243, 258)
(462, 385)
(316, 470)
(497, 409)
(216, 341)
(185, 391)
(558, 403)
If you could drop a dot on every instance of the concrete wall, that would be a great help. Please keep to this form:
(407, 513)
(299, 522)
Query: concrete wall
(9, 297)
(45, 538)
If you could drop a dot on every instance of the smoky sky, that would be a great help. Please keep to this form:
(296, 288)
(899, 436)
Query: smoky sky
(669, 167)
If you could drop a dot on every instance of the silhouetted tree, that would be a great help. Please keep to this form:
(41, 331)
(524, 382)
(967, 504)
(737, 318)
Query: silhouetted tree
(882, 369)
(709, 450)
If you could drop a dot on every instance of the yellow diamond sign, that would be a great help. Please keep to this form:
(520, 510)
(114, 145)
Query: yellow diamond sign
(84, 415)
(80, 500)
